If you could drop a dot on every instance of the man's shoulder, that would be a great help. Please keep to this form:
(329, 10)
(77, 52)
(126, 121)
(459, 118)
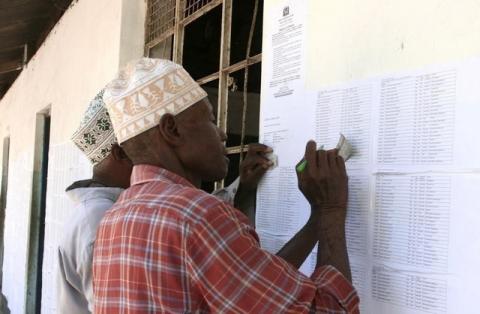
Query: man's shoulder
(159, 190)
(203, 206)
(185, 200)
(81, 226)
(90, 210)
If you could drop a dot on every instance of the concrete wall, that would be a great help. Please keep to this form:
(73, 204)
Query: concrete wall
(352, 39)
(82, 53)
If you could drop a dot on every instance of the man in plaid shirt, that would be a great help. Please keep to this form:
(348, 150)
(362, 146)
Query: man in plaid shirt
(168, 247)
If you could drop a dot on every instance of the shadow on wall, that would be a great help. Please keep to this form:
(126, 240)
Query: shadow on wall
(4, 305)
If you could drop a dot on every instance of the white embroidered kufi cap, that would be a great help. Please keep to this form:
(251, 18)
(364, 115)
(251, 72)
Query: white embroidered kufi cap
(144, 91)
(95, 135)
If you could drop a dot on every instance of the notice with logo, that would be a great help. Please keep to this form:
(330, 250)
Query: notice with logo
(283, 81)
(286, 49)
(414, 176)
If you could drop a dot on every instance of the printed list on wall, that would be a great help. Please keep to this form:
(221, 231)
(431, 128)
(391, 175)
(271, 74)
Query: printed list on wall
(414, 178)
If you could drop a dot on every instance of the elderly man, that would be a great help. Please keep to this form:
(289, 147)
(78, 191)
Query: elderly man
(92, 197)
(167, 246)
(111, 175)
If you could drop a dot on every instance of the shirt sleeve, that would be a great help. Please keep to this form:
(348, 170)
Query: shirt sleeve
(228, 193)
(234, 274)
(86, 274)
(69, 294)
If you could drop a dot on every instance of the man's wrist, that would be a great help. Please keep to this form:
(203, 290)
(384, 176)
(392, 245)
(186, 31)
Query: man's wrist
(328, 221)
(327, 208)
(330, 212)
(242, 193)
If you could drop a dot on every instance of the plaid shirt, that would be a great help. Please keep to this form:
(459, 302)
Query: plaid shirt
(168, 247)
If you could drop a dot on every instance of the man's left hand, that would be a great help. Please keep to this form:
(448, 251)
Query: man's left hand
(254, 166)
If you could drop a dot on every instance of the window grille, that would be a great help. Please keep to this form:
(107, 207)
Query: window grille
(193, 6)
(238, 57)
(160, 21)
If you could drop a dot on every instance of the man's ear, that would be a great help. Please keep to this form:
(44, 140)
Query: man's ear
(118, 153)
(169, 129)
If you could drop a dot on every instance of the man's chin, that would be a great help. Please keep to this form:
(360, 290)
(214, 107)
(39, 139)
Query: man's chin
(214, 176)
(221, 174)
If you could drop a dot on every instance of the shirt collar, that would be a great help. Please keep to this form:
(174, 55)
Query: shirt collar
(148, 173)
(87, 193)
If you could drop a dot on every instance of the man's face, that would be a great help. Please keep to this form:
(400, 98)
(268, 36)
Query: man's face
(204, 152)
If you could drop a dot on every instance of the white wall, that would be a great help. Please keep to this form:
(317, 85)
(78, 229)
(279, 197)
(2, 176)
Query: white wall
(81, 54)
(352, 39)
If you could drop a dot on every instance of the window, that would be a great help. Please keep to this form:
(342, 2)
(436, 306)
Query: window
(219, 42)
(160, 25)
(37, 213)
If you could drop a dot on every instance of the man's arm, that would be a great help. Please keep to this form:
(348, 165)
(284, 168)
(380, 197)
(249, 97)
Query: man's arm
(332, 245)
(322, 227)
(297, 249)
(234, 274)
(252, 169)
(324, 183)
(242, 192)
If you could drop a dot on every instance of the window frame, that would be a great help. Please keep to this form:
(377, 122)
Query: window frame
(177, 31)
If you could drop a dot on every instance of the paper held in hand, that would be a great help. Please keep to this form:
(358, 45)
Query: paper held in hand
(274, 159)
(345, 150)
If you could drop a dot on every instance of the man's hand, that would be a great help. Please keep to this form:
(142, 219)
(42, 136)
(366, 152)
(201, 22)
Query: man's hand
(324, 181)
(252, 170)
(254, 166)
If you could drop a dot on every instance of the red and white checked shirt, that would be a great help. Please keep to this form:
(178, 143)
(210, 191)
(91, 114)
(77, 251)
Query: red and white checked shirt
(168, 247)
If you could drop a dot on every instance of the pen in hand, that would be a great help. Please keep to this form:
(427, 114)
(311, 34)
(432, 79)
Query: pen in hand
(302, 165)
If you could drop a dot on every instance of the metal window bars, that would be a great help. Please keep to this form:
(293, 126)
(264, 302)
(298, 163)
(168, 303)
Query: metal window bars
(162, 17)
(169, 17)
(160, 21)
(193, 6)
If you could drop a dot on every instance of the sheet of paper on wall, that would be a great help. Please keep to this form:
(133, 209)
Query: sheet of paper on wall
(285, 31)
(414, 178)
(283, 101)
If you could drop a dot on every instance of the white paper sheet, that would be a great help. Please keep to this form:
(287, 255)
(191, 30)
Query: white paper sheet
(413, 214)
(426, 120)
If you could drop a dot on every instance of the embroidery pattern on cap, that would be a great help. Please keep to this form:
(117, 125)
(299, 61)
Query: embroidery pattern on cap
(146, 90)
(95, 136)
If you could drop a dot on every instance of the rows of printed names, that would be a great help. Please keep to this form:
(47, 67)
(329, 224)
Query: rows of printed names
(410, 120)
